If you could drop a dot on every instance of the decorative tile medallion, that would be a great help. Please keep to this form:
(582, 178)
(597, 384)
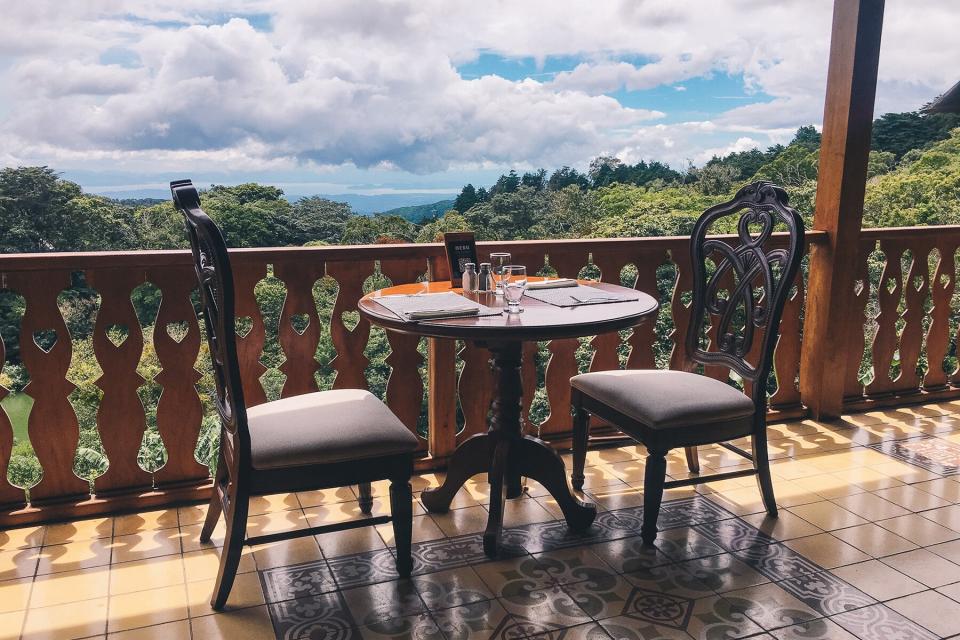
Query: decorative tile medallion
(562, 592)
(927, 452)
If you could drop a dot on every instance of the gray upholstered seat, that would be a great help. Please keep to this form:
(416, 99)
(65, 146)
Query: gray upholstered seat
(325, 427)
(665, 399)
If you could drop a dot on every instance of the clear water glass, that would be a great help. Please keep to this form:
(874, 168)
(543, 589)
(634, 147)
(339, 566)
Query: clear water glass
(514, 284)
(497, 262)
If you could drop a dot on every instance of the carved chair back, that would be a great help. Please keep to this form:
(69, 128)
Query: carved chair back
(740, 288)
(215, 278)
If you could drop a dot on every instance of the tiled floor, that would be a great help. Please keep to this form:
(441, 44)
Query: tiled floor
(867, 546)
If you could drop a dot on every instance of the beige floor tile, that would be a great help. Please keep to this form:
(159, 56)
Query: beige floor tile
(870, 506)
(920, 530)
(553, 508)
(61, 588)
(946, 488)
(615, 497)
(19, 563)
(630, 471)
(166, 631)
(739, 501)
(523, 511)
(11, 624)
(951, 591)
(132, 610)
(878, 580)
(194, 514)
(790, 493)
(21, 538)
(911, 498)
(79, 530)
(277, 502)
(793, 469)
(827, 515)
(866, 479)
(332, 513)
(827, 551)
(926, 567)
(146, 544)
(246, 592)
(190, 537)
(381, 507)
(424, 528)
(252, 623)
(72, 620)
(933, 610)
(828, 485)
(904, 472)
(949, 550)
(874, 540)
(458, 522)
(287, 521)
(785, 526)
(74, 556)
(286, 552)
(14, 595)
(204, 564)
(463, 498)
(146, 521)
(325, 496)
(143, 575)
(946, 516)
(342, 543)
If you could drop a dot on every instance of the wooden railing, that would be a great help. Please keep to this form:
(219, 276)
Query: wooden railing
(454, 380)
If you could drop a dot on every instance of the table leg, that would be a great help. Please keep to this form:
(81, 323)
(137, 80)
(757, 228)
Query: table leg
(469, 459)
(543, 464)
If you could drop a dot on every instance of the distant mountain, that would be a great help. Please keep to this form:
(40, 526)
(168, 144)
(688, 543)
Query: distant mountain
(419, 212)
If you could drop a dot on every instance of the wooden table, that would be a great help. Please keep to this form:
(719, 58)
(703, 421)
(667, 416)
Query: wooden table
(504, 452)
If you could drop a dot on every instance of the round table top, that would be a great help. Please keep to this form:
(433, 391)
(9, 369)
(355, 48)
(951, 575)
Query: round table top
(539, 320)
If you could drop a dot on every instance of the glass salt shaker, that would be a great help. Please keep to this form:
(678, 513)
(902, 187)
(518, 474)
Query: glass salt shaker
(484, 277)
(470, 277)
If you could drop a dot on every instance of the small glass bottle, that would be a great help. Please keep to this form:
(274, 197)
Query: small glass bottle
(484, 278)
(470, 277)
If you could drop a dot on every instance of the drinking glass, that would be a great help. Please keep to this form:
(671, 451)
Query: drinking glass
(515, 283)
(497, 262)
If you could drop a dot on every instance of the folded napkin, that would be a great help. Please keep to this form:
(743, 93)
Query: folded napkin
(429, 314)
(552, 283)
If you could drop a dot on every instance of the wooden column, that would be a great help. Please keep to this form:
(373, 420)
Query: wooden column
(847, 123)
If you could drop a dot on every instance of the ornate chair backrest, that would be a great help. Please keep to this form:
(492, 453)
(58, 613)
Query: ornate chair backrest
(216, 297)
(739, 288)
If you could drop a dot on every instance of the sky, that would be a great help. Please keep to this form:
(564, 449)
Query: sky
(414, 98)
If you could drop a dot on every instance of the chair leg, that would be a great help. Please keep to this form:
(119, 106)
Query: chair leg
(366, 498)
(581, 436)
(693, 459)
(401, 510)
(215, 508)
(654, 477)
(761, 460)
(232, 551)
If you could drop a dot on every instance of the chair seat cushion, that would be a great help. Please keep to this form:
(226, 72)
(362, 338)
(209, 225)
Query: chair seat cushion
(665, 399)
(325, 427)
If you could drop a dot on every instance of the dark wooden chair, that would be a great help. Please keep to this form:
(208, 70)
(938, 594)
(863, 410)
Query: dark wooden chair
(312, 441)
(739, 290)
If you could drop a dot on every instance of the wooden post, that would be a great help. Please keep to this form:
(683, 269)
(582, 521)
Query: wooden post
(847, 123)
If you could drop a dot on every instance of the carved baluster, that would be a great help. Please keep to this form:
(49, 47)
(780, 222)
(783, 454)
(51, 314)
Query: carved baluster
(644, 336)
(246, 275)
(786, 355)
(121, 420)
(605, 357)
(563, 361)
(180, 410)
(681, 312)
(475, 389)
(53, 426)
(938, 335)
(853, 387)
(300, 349)
(889, 293)
(350, 361)
(911, 337)
(404, 386)
(11, 497)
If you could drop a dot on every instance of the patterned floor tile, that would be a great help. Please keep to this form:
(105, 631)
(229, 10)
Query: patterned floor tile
(723, 572)
(421, 627)
(669, 579)
(451, 588)
(383, 601)
(324, 616)
(477, 621)
(285, 583)
(717, 617)
(363, 568)
(624, 628)
(543, 610)
(687, 544)
(927, 452)
(770, 606)
(589, 631)
(629, 554)
(565, 566)
(881, 623)
(819, 629)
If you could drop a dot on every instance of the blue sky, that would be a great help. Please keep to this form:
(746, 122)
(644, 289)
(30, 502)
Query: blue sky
(421, 96)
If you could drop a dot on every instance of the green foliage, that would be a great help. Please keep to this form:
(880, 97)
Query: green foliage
(898, 133)
(628, 211)
(378, 230)
(318, 219)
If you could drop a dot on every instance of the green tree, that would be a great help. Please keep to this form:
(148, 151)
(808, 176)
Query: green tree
(898, 133)
(378, 229)
(466, 199)
(317, 218)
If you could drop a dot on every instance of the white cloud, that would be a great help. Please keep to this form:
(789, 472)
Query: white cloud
(374, 84)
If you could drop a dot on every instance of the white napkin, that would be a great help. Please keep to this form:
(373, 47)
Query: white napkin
(552, 283)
